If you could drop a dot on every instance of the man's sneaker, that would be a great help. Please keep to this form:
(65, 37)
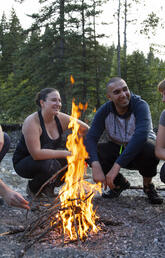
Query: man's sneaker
(153, 197)
(114, 193)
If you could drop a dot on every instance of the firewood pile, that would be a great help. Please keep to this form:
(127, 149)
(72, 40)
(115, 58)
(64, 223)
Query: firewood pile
(47, 223)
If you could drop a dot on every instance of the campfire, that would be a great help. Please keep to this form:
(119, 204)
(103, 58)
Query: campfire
(77, 214)
(70, 216)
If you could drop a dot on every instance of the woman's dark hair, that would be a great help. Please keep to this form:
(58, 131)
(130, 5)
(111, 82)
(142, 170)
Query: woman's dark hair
(43, 95)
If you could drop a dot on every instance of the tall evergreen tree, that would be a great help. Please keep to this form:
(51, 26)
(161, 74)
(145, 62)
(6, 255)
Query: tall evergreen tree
(71, 44)
(11, 38)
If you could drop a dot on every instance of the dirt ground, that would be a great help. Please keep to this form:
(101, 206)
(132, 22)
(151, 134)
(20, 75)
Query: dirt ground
(131, 227)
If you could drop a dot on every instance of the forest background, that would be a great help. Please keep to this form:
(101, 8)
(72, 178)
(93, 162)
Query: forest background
(62, 49)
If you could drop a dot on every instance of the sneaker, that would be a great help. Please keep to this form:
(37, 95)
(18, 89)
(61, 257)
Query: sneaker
(114, 193)
(153, 196)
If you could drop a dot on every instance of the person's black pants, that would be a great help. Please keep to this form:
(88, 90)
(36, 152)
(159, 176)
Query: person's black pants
(39, 171)
(145, 162)
(5, 147)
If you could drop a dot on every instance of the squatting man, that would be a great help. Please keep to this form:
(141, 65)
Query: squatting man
(127, 119)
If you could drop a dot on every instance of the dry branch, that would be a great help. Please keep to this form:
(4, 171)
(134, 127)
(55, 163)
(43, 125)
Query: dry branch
(15, 230)
(51, 179)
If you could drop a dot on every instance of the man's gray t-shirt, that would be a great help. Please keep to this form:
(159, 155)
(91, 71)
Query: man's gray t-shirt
(162, 118)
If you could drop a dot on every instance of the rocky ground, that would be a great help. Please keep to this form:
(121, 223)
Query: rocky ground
(130, 227)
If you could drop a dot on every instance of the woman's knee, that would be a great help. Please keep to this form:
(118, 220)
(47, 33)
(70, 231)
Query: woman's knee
(162, 173)
(53, 166)
(48, 167)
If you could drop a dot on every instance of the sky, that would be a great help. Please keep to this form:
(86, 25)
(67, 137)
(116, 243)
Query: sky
(138, 12)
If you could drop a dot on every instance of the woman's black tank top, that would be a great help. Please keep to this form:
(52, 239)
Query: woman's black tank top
(46, 142)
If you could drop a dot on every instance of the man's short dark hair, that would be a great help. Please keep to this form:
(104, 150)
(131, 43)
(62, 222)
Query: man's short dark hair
(113, 79)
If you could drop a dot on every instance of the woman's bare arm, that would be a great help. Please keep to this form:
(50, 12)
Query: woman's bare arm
(32, 131)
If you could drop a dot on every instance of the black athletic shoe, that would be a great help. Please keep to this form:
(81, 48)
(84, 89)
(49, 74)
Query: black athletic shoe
(114, 193)
(153, 196)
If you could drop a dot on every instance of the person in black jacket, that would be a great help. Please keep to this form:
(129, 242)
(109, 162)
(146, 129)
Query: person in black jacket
(127, 120)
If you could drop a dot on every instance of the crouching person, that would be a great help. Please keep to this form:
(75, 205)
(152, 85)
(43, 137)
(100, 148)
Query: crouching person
(127, 119)
(10, 196)
(39, 153)
(160, 140)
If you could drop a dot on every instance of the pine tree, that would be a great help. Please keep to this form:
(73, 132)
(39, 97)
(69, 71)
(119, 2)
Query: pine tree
(11, 38)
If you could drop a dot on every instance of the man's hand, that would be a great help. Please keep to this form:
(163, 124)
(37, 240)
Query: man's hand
(98, 175)
(110, 176)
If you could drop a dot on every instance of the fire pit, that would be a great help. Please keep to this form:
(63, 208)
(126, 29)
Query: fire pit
(70, 216)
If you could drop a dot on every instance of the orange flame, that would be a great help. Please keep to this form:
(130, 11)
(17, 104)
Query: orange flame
(76, 195)
(72, 79)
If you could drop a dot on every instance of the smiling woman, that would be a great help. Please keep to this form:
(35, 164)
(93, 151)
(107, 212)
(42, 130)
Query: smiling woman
(37, 155)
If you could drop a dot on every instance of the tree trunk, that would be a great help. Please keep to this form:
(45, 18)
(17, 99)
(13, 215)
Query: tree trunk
(125, 41)
(84, 93)
(97, 81)
(118, 45)
(61, 56)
